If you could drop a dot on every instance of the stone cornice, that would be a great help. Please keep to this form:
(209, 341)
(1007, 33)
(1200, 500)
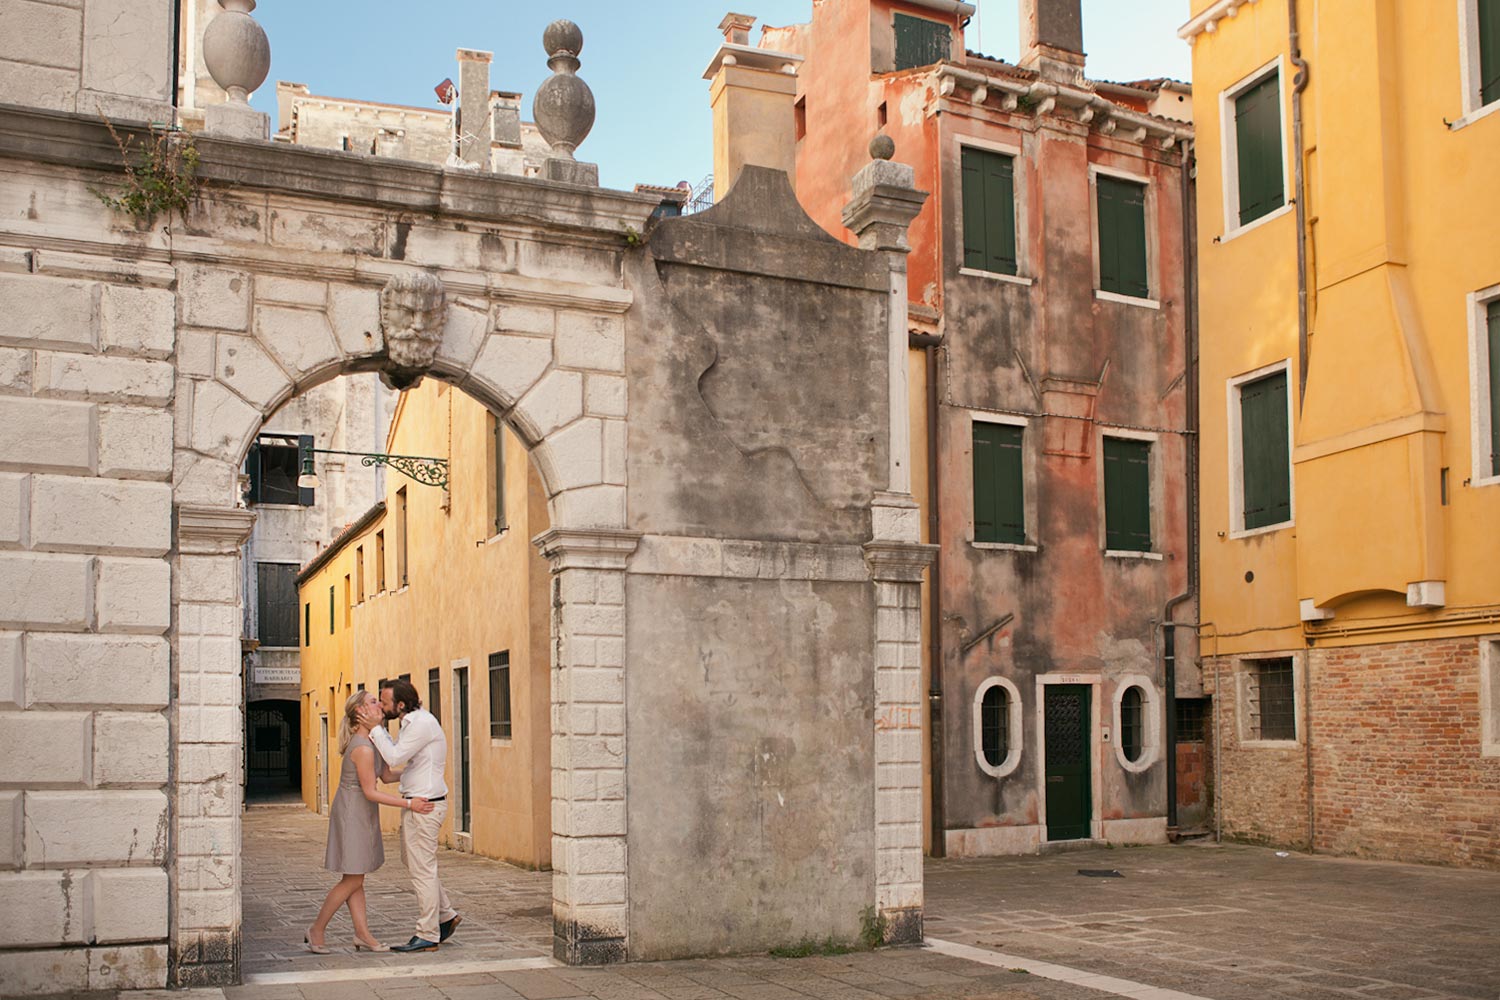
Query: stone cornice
(752, 57)
(84, 142)
(1208, 21)
(899, 562)
(213, 530)
(587, 548)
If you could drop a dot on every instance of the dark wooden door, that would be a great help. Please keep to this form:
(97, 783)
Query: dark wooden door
(1068, 777)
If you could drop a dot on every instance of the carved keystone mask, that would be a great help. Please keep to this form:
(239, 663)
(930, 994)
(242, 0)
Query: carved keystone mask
(413, 312)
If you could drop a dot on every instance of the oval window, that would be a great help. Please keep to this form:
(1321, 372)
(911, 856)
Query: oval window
(994, 715)
(1132, 724)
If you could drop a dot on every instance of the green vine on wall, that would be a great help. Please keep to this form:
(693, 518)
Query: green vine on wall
(161, 174)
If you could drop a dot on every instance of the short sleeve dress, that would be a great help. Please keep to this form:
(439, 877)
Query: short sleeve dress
(354, 846)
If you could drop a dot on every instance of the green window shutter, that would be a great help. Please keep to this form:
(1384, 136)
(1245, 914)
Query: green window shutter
(920, 42)
(1257, 120)
(1127, 495)
(1122, 237)
(1264, 450)
(1494, 345)
(989, 196)
(1489, 51)
(999, 498)
(307, 624)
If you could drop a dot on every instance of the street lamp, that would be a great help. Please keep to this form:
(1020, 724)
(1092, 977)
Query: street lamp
(427, 471)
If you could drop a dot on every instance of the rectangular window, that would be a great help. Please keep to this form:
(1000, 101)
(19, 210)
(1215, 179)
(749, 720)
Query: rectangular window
(1492, 325)
(348, 601)
(1192, 720)
(497, 475)
(401, 537)
(999, 499)
(1127, 495)
(500, 695)
(330, 610)
(307, 624)
(435, 694)
(359, 572)
(989, 207)
(1264, 451)
(273, 465)
(1257, 138)
(1489, 51)
(1122, 237)
(1270, 700)
(379, 562)
(920, 42)
(276, 604)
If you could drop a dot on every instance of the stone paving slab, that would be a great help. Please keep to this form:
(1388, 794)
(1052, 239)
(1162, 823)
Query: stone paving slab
(1231, 922)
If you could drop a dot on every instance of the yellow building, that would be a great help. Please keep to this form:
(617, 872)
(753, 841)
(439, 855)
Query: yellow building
(1349, 276)
(443, 587)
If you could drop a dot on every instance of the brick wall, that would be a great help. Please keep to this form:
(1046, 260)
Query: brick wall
(1397, 768)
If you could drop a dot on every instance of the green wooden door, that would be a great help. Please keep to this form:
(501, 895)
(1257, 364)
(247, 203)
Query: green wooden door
(1069, 780)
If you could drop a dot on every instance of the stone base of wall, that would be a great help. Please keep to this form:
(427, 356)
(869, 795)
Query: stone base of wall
(1397, 765)
(207, 958)
(1000, 841)
(64, 970)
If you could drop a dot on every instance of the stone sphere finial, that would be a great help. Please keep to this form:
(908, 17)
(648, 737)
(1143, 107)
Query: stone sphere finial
(564, 104)
(882, 147)
(236, 50)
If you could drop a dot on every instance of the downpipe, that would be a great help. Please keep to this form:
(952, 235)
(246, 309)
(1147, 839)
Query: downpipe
(939, 847)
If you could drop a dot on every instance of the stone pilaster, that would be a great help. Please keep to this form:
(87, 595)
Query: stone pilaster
(208, 727)
(590, 918)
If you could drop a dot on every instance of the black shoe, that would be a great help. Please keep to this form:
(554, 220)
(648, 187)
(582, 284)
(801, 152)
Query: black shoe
(415, 944)
(447, 927)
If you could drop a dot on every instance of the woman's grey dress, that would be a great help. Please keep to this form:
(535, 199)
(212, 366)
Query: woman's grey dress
(354, 846)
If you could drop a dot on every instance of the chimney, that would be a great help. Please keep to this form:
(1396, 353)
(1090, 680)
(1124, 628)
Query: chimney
(752, 91)
(471, 122)
(1052, 38)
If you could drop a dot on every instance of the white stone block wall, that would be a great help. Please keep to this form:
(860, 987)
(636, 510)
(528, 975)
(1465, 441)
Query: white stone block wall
(85, 605)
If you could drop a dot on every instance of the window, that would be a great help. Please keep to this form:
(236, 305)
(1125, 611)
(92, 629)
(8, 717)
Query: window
(1264, 452)
(330, 610)
(500, 695)
(1481, 53)
(348, 601)
(999, 499)
(1122, 237)
(1484, 351)
(401, 537)
(1270, 700)
(276, 604)
(273, 468)
(497, 475)
(920, 42)
(997, 727)
(1127, 495)
(1192, 720)
(435, 694)
(989, 207)
(307, 624)
(1489, 696)
(380, 562)
(1132, 724)
(359, 572)
(1260, 181)
(799, 118)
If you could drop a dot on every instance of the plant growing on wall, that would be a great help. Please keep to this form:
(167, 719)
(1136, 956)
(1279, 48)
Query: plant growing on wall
(160, 174)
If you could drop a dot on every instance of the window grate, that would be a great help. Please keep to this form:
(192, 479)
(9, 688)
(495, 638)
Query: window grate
(500, 721)
(994, 718)
(1132, 724)
(1192, 720)
(1273, 700)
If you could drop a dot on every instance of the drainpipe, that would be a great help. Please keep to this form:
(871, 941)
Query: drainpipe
(176, 57)
(930, 343)
(1190, 324)
(1299, 84)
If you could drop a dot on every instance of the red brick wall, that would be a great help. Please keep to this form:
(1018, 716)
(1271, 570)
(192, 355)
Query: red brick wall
(1194, 786)
(1396, 758)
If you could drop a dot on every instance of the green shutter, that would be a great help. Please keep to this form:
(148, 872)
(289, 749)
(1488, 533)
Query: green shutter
(989, 207)
(1264, 450)
(1257, 119)
(1127, 495)
(1122, 237)
(1494, 351)
(920, 42)
(1489, 51)
(999, 499)
(252, 469)
(307, 624)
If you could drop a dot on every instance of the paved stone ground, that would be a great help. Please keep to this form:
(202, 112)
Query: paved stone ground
(1232, 922)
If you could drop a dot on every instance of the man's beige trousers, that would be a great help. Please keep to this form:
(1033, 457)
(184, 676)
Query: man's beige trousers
(419, 847)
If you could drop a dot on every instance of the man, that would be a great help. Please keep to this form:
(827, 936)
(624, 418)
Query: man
(422, 748)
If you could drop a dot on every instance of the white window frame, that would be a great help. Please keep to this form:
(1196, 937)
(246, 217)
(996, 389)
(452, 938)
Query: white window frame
(1154, 482)
(1153, 288)
(1469, 68)
(1489, 695)
(1151, 718)
(1243, 670)
(1014, 741)
(1019, 190)
(1480, 390)
(1236, 454)
(1231, 154)
(1028, 491)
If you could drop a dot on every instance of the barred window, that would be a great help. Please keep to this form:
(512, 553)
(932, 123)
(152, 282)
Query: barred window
(995, 725)
(1271, 700)
(1132, 724)
(1192, 720)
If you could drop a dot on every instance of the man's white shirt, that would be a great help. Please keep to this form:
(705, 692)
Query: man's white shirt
(421, 747)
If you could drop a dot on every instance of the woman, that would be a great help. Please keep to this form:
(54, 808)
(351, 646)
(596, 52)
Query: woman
(354, 847)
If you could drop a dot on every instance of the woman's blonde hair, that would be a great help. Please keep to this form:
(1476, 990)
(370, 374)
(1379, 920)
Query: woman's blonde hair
(350, 720)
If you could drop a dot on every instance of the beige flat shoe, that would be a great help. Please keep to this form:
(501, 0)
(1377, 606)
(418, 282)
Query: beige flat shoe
(367, 946)
(316, 949)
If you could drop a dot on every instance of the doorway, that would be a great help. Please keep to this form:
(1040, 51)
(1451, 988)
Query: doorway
(1069, 780)
(273, 768)
(323, 765)
(461, 736)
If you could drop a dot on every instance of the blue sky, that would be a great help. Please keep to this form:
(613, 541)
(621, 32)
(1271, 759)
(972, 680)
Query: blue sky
(644, 61)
